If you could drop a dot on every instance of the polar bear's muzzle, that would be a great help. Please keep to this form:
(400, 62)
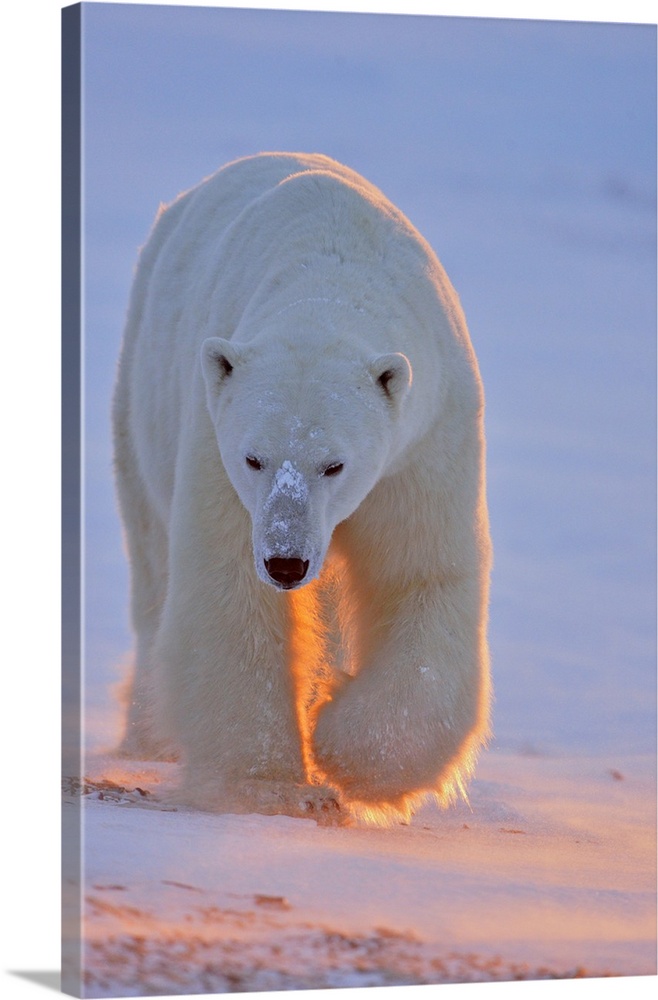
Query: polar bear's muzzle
(285, 572)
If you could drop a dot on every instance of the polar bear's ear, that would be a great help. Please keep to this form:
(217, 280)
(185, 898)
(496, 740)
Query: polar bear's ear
(218, 359)
(392, 374)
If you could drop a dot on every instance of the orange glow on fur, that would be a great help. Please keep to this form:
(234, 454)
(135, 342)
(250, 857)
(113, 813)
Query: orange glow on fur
(310, 671)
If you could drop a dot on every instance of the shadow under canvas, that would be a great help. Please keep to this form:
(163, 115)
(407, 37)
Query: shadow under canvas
(49, 979)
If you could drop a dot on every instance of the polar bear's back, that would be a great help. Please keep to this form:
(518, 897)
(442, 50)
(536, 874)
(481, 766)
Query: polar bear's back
(187, 235)
(176, 269)
(207, 260)
(181, 264)
(207, 209)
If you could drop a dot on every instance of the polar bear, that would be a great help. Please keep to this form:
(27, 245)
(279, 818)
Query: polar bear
(299, 451)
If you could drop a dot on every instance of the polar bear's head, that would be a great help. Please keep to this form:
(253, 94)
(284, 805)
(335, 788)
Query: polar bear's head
(303, 439)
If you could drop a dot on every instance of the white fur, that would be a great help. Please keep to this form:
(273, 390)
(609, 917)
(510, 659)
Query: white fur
(297, 382)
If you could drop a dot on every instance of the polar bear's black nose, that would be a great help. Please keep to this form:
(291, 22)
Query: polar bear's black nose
(286, 572)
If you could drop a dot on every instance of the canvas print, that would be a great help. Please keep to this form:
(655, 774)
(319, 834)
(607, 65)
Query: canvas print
(359, 506)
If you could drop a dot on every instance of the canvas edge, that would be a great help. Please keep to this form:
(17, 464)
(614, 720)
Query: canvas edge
(71, 607)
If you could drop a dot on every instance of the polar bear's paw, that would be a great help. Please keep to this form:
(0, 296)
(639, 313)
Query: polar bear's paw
(324, 805)
(269, 798)
(319, 802)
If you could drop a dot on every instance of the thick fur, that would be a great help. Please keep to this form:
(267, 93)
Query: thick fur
(297, 381)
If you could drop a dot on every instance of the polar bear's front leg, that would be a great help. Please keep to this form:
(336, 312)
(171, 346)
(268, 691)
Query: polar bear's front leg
(415, 714)
(230, 700)
(229, 695)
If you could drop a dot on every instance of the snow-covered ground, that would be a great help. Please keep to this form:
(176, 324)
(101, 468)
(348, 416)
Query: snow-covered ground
(525, 153)
(548, 874)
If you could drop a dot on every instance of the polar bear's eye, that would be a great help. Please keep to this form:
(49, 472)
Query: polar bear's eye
(254, 463)
(333, 469)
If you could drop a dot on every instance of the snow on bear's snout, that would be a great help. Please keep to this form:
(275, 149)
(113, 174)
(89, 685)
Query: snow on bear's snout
(285, 548)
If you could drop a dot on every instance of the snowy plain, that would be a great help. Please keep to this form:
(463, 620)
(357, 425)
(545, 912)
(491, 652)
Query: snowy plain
(525, 153)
